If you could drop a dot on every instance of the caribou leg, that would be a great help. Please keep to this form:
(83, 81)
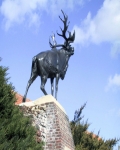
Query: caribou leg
(43, 81)
(56, 86)
(32, 78)
(52, 85)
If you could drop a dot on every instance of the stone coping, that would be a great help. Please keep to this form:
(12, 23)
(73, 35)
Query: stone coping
(43, 100)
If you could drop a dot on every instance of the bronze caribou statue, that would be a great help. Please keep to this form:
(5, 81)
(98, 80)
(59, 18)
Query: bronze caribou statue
(52, 63)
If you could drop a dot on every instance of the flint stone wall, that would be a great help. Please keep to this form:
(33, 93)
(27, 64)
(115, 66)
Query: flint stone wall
(51, 121)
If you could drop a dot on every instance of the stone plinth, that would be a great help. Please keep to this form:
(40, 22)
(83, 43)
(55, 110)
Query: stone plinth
(51, 120)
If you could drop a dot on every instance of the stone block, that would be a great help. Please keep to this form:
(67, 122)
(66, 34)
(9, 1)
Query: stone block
(52, 122)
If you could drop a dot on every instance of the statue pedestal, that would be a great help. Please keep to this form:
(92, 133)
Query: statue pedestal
(52, 123)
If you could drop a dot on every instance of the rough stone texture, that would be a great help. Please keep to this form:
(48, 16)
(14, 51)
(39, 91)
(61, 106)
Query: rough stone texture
(38, 118)
(52, 123)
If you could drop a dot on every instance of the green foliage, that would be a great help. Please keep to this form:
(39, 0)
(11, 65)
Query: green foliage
(16, 131)
(85, 140)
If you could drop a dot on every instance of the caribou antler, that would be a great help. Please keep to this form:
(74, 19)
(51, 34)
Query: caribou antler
(65, 26)
(71, 38)
(54, 41)
(68, 40)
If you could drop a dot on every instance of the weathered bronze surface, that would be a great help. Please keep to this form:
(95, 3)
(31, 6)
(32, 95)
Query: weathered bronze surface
(52, 63)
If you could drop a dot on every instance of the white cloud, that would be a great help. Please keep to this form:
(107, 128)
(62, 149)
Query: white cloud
(113, 82)
(17, 11)
(54, 6)
(22, 11)
(104, 27)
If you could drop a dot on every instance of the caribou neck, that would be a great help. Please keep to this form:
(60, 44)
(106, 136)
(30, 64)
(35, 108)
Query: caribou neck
(67, 55)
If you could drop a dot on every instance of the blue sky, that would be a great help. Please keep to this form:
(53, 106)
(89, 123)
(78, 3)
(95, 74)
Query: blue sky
(93, 75)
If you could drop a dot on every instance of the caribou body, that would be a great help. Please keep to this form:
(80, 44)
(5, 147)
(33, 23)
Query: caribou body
(52, 63)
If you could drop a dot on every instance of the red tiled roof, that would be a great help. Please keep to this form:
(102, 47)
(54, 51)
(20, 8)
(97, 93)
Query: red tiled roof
(19, 99)
(94, 135)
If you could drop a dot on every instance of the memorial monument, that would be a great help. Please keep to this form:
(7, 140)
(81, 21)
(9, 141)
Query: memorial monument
(52, 63)
(48, 116)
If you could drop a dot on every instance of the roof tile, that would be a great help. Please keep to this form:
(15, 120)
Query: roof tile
(19, 99)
